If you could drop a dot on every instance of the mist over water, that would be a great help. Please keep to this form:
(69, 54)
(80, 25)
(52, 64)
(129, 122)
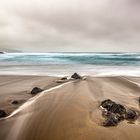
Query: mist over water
(59, 64)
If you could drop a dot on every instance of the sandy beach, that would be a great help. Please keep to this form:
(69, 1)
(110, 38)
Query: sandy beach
(67, 111)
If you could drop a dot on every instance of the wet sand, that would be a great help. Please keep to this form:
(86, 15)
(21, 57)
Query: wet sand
(70, 111)
(19, 88)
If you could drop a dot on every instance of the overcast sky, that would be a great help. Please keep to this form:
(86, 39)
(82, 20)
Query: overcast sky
(70, 25)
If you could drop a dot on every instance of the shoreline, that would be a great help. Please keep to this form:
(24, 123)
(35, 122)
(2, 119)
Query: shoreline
(67, 75)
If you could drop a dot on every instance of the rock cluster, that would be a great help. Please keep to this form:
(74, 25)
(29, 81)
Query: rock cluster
(114, 113)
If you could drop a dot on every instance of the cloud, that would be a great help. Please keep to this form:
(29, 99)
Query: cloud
(76, 25)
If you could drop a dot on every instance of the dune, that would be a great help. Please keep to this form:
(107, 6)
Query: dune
(68, 111)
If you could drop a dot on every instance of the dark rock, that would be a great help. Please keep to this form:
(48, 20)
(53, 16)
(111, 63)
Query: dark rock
(139, 100)
(76, 76)
(2, 114)
(15, 102)
(120, 117)
(112, 120)
(113, 107)
(113, 112)
(64, 78)
(117, 108)
(105, 113)
(131, 115)
(107, 104)
(36, 90)
(105, 101)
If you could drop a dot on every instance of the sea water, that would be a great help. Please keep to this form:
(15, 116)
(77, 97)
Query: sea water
(60, 64)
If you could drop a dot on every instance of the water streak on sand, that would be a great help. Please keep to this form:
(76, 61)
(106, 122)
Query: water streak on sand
(135, 83)
(33, 100)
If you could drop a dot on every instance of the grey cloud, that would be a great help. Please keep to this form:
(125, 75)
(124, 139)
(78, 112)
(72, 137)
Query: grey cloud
(58, 25)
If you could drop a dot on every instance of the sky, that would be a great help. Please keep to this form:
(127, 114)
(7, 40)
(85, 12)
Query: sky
(70, 25)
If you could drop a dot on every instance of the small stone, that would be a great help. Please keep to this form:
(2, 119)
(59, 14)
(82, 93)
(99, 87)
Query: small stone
(2, 114)
(64, 78)
(36, 90)
(15, 102)
(139, 100)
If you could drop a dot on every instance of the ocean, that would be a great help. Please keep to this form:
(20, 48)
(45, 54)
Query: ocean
(61, 64)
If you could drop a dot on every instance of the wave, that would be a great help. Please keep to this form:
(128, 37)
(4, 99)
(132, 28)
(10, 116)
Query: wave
(98, 64)
(120, 59)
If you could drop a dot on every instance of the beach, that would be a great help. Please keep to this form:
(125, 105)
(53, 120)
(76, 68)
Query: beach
(66, 111)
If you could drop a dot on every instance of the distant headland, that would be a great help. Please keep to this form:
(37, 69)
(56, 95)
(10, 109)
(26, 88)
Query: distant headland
(5, 50)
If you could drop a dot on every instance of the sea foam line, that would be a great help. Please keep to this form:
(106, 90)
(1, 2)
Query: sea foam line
(33, 100)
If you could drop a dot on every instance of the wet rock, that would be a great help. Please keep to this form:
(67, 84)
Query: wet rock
(36, 90)
(131, 115)
(2, 114)
(76, 76)
(112, 112)
(117, 108)
(120, 117)
(107, 114)
(107, 104)
(113, 107)
(15, 102)
(112, 120)
(64, 78)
